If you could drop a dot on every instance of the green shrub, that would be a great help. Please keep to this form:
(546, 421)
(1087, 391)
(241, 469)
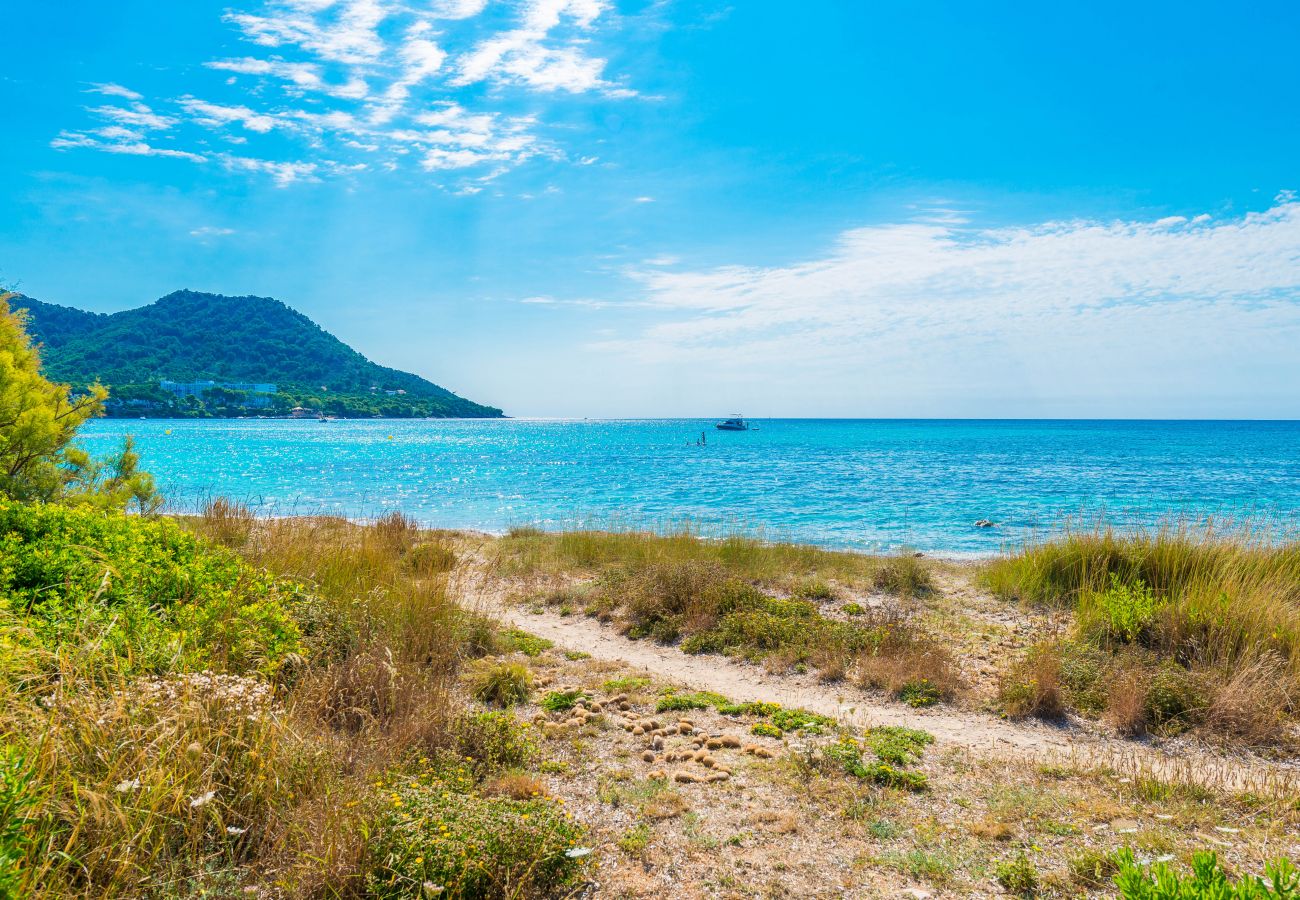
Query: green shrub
(492, 741)
(502, 684)
(1018, 875)
(853, 609)
(1207, 881)
(433, 840)
(561, 701)
(1121, 613)
(146, 593)
(766, 729)
(430, 558)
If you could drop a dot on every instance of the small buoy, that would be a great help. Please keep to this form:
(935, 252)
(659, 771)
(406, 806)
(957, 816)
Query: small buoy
(390, 437)
(169, 431)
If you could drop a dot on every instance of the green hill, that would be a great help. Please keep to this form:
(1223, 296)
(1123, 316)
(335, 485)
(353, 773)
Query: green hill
(192, 336)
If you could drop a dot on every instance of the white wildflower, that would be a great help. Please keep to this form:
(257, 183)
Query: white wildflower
(125, 787)
(202, 799)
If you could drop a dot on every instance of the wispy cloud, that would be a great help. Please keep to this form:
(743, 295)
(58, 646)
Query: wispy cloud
(362, 84)
(897, 298)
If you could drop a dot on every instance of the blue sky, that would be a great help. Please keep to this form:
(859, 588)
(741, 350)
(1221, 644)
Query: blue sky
(589, 207)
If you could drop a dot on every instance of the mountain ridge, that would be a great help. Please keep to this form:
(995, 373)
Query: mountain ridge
(191, 336)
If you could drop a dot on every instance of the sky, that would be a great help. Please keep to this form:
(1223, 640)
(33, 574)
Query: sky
(610, 208)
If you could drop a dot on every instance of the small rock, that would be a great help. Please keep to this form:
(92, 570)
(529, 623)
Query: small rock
(648, 757)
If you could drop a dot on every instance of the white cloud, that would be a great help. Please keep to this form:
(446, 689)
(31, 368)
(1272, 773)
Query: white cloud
(128, 146)
(282, 173)
(114, 90)
(643, 199)
(210, 231)
(216, 115)
(137, 114)
(523, 56)
(306, 76)
(888, 295)
(379, 78)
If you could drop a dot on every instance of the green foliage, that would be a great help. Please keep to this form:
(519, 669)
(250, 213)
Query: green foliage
(853, 609)
(847, 754)
(1092, 868)
(502, 684)
(1018, 875)
(749, 708)
(766, 729)
(435, 840)
(154, 597)
(1121, 613)
(514, 640)
(17, 801)
(634, 841)
(492, 741)
(814, 589)
(626, 685)
(674, 701)
(897, 745)
(1207, 881)
(920, 692)
(38, 421)
(189, 336)
(562, 701)
(801, 720)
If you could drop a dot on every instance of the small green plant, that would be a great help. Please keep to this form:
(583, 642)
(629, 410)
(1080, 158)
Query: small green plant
(751, 708)
(626, 685)
(1018, 875)
(814, 589)
(1092, 868)
(561, 701)
(634, 841)
(1122, 613)
(801, 720)
(1207, 881)
(920, 692)
(675, 702)
(884, 830)
(853, 609)
(502, 684)
(897, 745)
(528, 644)
(766, 729)
(575, 655)
(847, 754)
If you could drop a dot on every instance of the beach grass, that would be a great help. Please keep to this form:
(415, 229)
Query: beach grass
(1187, 627)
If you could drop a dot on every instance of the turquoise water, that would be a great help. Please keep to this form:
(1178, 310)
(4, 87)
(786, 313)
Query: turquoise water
(861, 484)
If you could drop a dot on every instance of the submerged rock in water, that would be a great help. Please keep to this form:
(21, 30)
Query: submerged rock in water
(984, 523)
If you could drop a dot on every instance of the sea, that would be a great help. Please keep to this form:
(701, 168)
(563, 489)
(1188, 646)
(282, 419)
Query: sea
(870, 485)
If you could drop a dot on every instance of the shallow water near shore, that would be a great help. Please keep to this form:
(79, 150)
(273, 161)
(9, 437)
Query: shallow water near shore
(853, 484)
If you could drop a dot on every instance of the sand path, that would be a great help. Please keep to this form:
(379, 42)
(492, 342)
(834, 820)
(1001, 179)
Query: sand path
(979, 733)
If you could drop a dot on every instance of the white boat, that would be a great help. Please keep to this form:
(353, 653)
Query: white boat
(735, 423)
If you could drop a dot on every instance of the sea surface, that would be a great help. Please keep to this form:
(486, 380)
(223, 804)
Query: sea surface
(857, 484)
